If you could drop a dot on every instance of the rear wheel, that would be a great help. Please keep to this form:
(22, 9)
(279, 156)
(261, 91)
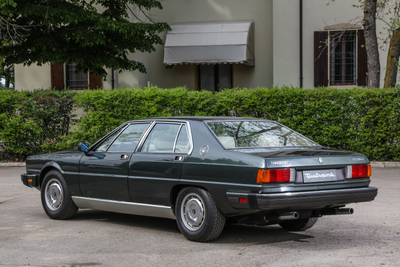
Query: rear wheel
(56, 198)
(197, 215)
(299, 225)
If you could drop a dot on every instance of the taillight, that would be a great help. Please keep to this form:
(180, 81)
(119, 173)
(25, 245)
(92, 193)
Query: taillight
(276, 176)
(358, 171)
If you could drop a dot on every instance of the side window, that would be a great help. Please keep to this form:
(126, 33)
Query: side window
(127, 141)
(161, 138)
(103, 147)
(182, 143)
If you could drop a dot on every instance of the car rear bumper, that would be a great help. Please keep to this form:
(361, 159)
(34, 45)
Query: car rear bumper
(301, 200)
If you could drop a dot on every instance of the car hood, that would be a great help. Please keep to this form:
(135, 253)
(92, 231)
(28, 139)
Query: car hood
(303, 157)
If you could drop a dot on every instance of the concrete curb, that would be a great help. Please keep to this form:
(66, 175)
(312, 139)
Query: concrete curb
(13, 164)
(385, 164)
(374, 164)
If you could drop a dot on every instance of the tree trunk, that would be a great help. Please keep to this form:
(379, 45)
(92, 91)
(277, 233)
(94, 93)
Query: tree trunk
(393, 60)
(7, 83)
(371, 44)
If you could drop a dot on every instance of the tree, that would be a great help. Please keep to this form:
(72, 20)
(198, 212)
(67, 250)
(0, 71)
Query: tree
(387, 11)
(371, 43)
(96, 34)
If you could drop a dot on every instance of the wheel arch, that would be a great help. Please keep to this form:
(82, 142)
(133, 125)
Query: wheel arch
(175, 191)
(46, 168)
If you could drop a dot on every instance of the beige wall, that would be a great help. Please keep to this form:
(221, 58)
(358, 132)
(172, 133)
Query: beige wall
(32, 77)
(276, 25)
(180, 11)
(316, 15)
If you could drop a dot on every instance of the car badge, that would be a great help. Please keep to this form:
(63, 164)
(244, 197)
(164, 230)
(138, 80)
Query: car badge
(204, 149)
(320, 160)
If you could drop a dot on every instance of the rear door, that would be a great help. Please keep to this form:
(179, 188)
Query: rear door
(156, 167)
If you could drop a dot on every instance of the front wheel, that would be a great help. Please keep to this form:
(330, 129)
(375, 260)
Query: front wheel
(56, 198)
(299, 225)
(197, 215)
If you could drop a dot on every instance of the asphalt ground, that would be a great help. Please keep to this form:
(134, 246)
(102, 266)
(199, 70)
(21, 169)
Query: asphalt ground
(369, 237)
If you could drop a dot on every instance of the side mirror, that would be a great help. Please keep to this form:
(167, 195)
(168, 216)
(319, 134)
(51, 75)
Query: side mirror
(84, 147)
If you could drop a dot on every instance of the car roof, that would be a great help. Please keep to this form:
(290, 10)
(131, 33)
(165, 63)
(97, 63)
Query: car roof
(201, 118)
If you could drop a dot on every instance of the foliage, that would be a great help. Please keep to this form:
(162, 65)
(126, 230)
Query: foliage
(32, 122)
(363, 120)
(96, 34)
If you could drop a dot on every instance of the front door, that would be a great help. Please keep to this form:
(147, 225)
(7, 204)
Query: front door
(104, 170)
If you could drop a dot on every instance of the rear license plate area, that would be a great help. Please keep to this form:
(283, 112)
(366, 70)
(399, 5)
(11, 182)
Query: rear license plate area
(320, 176)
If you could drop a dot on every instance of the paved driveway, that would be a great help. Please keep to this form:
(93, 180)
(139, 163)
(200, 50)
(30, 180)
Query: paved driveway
(370, 237)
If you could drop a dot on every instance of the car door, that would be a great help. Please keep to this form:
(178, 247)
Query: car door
(104, 170)
(156, 167)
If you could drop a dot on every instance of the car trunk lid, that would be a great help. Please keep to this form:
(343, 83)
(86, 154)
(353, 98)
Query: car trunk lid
(304, 158)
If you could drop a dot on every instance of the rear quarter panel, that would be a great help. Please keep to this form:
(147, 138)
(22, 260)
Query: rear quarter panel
(219, 170)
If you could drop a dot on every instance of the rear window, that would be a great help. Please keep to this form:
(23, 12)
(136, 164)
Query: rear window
(234, 134)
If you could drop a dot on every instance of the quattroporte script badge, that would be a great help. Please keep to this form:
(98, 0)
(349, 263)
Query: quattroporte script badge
(319, 176)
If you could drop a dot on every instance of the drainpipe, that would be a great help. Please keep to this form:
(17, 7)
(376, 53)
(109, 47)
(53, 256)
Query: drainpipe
(301, 43)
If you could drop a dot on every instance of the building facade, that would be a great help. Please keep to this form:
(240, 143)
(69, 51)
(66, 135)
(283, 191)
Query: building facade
(217, 44)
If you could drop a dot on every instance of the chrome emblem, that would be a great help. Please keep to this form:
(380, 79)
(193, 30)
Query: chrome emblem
(320, 160)
(204, 149)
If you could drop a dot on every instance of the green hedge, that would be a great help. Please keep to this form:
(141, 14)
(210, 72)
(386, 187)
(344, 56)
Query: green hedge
(364, 120)
(34, 122)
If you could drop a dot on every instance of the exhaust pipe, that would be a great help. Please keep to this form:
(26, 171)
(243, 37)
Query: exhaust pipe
(344, 211)
(337, 211)
(281, 216)
(294, 215)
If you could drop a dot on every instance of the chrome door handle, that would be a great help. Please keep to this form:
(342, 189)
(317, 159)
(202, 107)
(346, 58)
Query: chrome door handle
(124, 156)
(179, 158)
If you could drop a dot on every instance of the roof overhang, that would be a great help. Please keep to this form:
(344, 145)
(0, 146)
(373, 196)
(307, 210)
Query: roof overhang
(343, 26)
(210, 43)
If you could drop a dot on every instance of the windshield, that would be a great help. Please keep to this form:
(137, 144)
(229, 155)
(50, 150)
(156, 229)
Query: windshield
(234, 134)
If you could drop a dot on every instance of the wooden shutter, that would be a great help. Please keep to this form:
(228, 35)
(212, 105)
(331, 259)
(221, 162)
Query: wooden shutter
(321, 49)
(362, 66)
(57, 76)
(94, 81)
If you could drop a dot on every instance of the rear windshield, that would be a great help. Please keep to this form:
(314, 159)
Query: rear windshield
(234, 134)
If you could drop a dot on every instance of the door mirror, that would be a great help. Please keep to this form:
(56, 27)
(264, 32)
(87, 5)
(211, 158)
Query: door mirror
(84, 147)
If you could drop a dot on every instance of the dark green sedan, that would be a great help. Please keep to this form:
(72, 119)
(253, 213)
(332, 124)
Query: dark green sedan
(203, 172)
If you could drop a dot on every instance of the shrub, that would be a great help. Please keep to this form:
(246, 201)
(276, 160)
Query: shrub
(35, 122)
(364, 120)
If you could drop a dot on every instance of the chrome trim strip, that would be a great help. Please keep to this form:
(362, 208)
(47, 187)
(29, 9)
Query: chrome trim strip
(189, 132)
(144, 137)
(102, 175)
(218, 183)
(218, 164)
(176, 138)
(125, 207)
(153, 179)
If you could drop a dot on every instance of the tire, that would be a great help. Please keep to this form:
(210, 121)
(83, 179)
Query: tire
(197, 215)
(299, 225)
(56, 198)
